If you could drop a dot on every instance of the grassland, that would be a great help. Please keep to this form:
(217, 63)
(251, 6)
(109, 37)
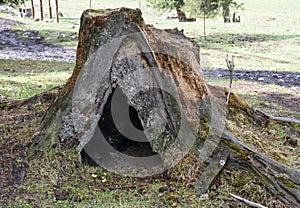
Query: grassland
(268, 38)
(26, 78)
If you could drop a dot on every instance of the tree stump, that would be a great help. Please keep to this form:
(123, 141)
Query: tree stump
(137, 103)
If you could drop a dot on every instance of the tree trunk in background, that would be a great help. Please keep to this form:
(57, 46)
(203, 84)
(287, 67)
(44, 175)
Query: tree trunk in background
(204, 26)
(226, 13)
(56, 9)
(32, 8)
(156, 74)
(50, 9)
(41, 9)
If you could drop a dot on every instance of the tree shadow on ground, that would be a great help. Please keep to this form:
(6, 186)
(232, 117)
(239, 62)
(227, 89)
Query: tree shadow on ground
(233, 39)
(288, 102)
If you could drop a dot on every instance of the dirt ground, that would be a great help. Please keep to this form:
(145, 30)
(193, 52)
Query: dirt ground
(284, 79)
(27, 44)
(19, 123)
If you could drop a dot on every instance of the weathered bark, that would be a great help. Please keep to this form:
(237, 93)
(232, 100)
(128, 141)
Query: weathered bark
(157, 73)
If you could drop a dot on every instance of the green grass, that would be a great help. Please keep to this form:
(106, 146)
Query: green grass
(270, 55)
(24, 79)
(56, 178)
(268, 38)
(53, 180)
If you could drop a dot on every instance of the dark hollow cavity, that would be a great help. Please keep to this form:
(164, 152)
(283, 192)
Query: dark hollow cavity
(111, 133)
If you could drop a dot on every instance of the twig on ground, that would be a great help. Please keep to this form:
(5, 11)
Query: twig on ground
(249, 203)
(230, 66)
(282, 119)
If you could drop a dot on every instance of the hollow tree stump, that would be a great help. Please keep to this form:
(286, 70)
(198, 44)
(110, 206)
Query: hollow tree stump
(137, 102)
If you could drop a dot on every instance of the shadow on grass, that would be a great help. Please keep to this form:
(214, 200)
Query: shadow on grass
(9, 67)
(275, 104)
(287, 101)
(239, 39)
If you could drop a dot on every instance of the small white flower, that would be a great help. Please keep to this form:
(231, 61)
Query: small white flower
(222, 162)
(94, 176)
(204, 196)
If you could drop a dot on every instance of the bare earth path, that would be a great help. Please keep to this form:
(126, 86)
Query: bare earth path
(285, 79)
(18, 44)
